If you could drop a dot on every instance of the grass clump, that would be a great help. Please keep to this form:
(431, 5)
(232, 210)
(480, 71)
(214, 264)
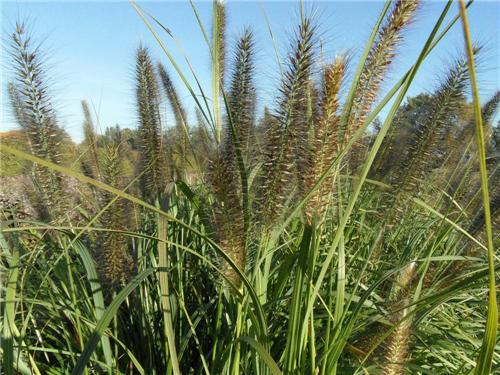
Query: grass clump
(260, 245)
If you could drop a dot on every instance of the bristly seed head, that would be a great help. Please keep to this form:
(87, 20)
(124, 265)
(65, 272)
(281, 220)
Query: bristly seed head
(33, 110)
(148, 99)
(286, 153)
(406, 178)
(116, 263)
(225, 167)
(180, 118)
(377, 64)
(324, 146)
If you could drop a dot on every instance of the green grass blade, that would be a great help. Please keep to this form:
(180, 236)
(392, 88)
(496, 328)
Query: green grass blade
(9, 306)
(200, 24)
(485, 358)
(186, 83)
(273, 39)
(97, 296)
(262, 327)
(266, 357)
(165, 293)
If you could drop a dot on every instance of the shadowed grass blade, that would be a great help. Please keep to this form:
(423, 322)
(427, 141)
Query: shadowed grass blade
(104, 322)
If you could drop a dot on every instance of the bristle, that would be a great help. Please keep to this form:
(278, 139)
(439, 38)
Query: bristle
(460, 174)
(202, 137)
(242, 92)
(477, 223)
(488, 112)
(324, 145)
(384, 158)
(397, 350)
(173, 97)
(287, 151)
(17, 105)
(228, 213)
(491, 107)
(152, 154)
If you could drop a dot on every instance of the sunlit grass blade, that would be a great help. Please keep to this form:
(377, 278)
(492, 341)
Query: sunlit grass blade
(484, 361)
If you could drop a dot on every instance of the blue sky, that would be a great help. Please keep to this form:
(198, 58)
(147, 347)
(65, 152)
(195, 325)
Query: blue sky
(90, 47)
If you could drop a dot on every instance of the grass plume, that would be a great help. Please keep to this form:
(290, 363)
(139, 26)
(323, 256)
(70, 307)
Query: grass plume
(220, 38)
(148, 99)
(377, 64)
(286, 151)
(91, 162)
(242, 92)
(179, 113)
(116, 262)
(398, 342)
(33, 109)
(218, 61)
(225, 176)
(324, 144)
(407, 178)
